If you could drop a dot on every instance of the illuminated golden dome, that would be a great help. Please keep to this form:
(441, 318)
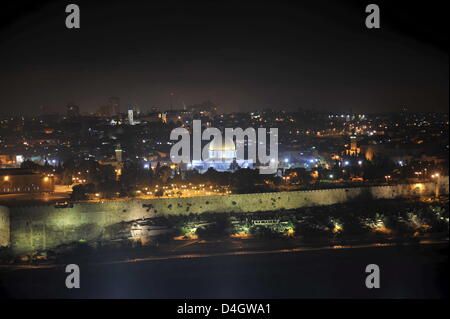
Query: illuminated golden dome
(221, 151)
(217, 145)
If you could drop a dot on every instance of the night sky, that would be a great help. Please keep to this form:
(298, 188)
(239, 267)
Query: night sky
(241, 55)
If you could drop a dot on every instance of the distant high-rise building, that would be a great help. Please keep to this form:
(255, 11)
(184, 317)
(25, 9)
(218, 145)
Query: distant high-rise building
(111, 108)
(114, 103)
(73, 110)
(130, 117)
(105, 110)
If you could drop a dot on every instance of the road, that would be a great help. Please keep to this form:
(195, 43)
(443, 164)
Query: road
(33, 198)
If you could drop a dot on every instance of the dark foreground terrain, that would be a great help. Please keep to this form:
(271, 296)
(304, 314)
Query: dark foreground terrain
(413, 271)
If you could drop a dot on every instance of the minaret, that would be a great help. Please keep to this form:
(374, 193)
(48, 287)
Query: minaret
(119, 163)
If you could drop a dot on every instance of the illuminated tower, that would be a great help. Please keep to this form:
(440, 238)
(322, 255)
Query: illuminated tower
(119, 163)
(130, 117)
(354, 150)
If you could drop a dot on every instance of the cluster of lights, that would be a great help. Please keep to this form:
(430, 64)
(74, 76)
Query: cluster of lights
(78, 180)
(7, 178)
(188, 190)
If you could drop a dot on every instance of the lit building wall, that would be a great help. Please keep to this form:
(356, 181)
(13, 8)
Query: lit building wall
(25, 183)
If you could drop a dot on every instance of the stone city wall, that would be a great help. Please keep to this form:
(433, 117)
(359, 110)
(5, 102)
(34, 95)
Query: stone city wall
(44, 227)
(4, 227)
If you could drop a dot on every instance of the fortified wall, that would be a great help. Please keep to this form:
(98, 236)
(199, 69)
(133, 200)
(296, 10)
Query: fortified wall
(4, 226)
(43, 227)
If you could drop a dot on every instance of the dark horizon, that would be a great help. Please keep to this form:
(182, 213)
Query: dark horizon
(241, 56)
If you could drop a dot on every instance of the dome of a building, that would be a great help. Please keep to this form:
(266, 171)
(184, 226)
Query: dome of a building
(217, 145)
(221, 150)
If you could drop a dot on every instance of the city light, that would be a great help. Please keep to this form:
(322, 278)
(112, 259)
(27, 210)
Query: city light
(223, 150)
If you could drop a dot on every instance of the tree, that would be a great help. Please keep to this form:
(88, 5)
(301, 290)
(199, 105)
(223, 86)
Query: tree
(79, 192)
(108, 188)
(159, 192)
(66, 178)
(245, 180)
(164, 173)
(30, 165)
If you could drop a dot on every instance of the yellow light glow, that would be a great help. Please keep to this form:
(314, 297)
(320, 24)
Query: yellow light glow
(290, 232)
